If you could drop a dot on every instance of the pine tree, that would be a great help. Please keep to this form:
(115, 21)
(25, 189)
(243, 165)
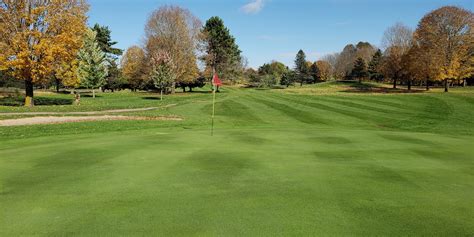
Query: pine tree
(301, 68)
(374, 66)
(222, 52)
(287, 78)
(92, 63)
(360, 69)
(104, 40)
(315, 72)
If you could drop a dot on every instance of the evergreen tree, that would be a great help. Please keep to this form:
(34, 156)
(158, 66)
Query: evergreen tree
(301, 68)
(114, 79)
(104, 40)
(288, 78)
(222, 52)
(360, 69)
(314, 72)
(374, 66)
(92, 68)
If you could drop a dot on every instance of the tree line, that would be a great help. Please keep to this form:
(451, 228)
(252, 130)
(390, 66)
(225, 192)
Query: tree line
(439, 51)
(45, 43)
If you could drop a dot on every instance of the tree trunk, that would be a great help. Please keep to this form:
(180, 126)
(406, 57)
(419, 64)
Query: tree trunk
(409, 84)
(463, 82)
(173, 87)
(427, 85)
(360, 80)
(58, 83)
(93, 93)
(29, 102)
(161, 94)
(446, 85)
(394, 83)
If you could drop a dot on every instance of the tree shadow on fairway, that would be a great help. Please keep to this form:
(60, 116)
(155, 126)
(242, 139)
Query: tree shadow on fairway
(20, 101)
(90, 96)
(151, 98)
(356, 87)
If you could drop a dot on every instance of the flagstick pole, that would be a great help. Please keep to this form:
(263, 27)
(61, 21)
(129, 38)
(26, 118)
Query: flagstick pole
(213, 101)
(213, 108)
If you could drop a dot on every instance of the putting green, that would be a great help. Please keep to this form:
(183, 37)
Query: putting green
(279, 164)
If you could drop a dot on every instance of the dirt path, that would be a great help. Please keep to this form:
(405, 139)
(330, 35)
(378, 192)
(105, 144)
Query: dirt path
(115, 111)
(72, 119)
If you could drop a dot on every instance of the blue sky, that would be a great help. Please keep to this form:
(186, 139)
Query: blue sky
(269, 30)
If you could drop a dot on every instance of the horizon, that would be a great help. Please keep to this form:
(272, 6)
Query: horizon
(260, 32)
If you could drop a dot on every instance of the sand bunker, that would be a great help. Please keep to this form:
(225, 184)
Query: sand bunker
(72, 119)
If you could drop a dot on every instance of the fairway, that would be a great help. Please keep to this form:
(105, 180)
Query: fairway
(315, 161)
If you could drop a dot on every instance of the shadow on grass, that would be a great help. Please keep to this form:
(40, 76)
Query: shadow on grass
(356, 87)
(90, 96)
(20, 101)
(151, 98)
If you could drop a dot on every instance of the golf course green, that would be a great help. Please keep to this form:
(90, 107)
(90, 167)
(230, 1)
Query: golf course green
(322, 160)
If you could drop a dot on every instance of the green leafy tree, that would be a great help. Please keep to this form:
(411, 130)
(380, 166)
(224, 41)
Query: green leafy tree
(374, 66)
(163, 77)
(222, 53)
(301, 69)
(275, 69)
(360, 69)
(92, 69)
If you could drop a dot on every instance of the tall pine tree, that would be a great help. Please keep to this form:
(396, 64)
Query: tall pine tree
(222, 52)
(92, 68)
(301, 67)
(360, 69)
(104, 40)
(315, 72)
(374, 66)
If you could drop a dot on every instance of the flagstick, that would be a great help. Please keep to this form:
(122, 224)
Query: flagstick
(213, 108)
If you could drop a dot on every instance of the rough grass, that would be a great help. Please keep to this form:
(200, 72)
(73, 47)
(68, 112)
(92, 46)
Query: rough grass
(280, 163)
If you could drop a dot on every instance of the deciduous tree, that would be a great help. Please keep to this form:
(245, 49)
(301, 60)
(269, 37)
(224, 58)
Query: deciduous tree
(35, 33)
(324, 70)
(175, 31)
(397, 40)
(133, 66)
(447, 35)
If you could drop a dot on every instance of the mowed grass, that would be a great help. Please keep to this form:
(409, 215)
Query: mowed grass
(280, 163)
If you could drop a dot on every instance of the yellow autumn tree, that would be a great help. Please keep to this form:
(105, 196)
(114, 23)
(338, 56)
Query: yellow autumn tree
(324, 70)
(133, 66)
(446, 34)
(38, 36)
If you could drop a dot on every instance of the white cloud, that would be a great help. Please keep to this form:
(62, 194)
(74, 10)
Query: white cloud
(253, 7)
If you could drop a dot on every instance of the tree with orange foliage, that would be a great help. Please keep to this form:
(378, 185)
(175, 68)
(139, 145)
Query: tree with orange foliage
(133, 67)
(446, 34)
(38, 35)
(397, 40)
(324, 70)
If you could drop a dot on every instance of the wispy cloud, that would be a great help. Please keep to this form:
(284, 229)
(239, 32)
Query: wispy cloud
(253, 7)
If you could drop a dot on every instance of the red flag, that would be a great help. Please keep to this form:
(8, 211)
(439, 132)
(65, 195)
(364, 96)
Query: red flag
(216, 81)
